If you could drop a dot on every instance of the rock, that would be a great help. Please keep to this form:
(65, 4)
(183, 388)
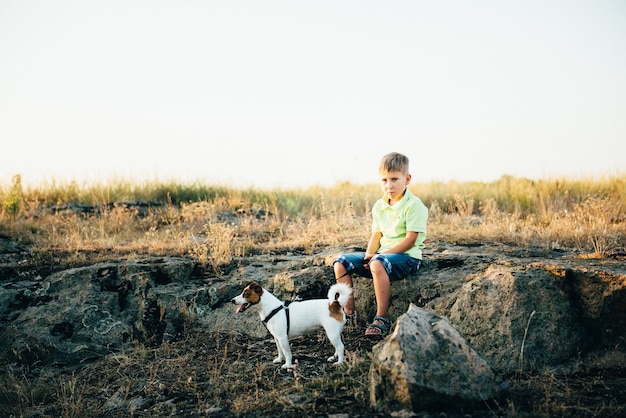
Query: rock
(519, 318)
(426, 363)
(9, 245)
(308, 283)
(138, 208)
(600, 299)
(86, 312)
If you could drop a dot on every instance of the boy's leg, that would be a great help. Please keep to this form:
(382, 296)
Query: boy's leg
(382, 287)
(384, 269)
(342, 276)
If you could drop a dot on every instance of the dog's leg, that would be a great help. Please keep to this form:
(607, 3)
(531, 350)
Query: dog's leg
(335, 339)
(285, 350)
(280, 357)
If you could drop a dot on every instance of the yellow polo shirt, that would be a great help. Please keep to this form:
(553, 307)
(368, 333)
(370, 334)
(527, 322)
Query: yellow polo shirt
(409, 214)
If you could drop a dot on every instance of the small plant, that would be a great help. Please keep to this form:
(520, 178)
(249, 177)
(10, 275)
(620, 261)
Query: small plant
(218, 247)
(462, 205)
(12, 202)
(593, 219)
(70, 396)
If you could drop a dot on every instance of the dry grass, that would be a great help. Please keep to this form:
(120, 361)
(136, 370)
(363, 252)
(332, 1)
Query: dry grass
(214, 224)
(226, 375)
(202, 375)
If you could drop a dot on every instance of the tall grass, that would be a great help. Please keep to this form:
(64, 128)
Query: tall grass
(588, 216)
(510, 195)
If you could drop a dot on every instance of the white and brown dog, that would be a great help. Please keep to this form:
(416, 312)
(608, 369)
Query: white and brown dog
(288, 320)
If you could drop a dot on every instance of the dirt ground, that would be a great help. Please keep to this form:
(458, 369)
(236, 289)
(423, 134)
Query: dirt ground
(232, 375)
(317, 388)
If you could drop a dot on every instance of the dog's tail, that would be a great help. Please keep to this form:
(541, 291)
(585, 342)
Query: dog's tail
(340, 292)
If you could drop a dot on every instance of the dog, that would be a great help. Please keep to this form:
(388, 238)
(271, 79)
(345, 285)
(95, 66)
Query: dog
(289, 320)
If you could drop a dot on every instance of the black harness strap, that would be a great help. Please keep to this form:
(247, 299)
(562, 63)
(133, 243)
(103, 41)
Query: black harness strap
(287, 313)
(275, 311)
(271, 315)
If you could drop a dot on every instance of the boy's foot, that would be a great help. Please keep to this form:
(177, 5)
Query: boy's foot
(379, 327)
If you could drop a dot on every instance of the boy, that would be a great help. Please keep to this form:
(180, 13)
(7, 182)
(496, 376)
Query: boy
(394, 250)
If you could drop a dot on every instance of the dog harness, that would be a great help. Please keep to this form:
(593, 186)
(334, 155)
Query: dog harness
(285, 306)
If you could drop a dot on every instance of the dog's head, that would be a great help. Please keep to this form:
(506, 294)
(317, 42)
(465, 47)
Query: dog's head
(250, 296)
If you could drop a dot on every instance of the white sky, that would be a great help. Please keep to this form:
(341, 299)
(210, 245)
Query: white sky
(296, 93)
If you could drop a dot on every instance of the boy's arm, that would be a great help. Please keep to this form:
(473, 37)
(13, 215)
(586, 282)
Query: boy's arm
(406, 244)
(373, 245)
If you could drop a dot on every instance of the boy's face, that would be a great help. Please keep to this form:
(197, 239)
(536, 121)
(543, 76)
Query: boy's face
(394, 183)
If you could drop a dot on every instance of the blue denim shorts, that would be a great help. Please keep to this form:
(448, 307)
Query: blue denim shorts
(398, 266)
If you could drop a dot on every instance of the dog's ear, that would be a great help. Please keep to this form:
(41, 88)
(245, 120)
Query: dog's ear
(256, 287)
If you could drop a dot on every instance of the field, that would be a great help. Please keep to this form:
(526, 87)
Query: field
(586, 215)
(68, 225)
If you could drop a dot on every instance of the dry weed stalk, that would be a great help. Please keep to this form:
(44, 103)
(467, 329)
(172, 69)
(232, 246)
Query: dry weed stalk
(70, 395)
(521, 352)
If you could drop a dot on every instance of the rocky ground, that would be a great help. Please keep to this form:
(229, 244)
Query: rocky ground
(226, 372)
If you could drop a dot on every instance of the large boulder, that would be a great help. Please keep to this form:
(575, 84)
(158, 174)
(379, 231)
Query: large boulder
(519, 318)
(599, 297)
(427, 363)
(87, 312)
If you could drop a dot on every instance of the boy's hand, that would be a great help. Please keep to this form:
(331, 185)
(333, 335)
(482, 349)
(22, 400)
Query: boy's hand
(366, 260)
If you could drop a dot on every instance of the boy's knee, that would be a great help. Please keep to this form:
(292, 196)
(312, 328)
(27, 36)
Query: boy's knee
(377, 266)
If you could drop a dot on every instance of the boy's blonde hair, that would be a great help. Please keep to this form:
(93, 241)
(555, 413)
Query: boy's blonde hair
(394, 161)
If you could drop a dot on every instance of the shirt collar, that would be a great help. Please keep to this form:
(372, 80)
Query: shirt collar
(400, 203)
